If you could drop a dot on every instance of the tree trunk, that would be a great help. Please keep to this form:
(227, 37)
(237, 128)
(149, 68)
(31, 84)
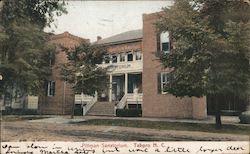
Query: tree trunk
(73, 110)
(217, 113)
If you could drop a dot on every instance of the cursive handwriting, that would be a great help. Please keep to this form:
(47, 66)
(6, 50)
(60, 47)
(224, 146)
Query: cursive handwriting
(110, 150)
(210, 150)
(138, 150)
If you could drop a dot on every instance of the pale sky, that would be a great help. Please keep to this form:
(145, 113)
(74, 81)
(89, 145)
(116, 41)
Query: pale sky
(89, 19)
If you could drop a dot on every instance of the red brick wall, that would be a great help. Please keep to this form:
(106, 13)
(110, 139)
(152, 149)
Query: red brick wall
(63, 100)
(162, 105)
(125, 47)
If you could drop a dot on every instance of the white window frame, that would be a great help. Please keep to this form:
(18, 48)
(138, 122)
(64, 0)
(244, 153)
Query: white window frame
(49, 90)
(104, 59)
(165, 75)
(116, 58)
(120, 56)
(132, 57)
(164, 38)
(138, 53)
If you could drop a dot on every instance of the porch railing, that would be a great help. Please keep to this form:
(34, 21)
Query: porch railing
(89, 104)
(122, 102)
(86, 101)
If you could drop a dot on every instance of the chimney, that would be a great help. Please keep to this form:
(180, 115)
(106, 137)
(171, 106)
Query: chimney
(99, 38)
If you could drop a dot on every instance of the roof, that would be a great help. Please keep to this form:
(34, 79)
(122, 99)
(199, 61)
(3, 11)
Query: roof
(129, 36)
(67, 34)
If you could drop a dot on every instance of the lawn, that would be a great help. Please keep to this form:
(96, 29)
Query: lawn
(228, 129)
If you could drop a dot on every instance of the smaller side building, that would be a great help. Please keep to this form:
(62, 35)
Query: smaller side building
(58, 98)
(157, 102)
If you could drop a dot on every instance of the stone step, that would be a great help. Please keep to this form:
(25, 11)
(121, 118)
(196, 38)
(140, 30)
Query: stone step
(102, 109)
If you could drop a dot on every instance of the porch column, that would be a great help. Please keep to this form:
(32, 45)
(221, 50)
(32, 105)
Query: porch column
(126, 84)
(110, 88)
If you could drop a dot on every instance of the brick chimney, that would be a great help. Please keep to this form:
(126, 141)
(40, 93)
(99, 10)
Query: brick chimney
(99, 38)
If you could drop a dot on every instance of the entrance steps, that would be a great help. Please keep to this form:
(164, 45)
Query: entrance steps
(102, 109)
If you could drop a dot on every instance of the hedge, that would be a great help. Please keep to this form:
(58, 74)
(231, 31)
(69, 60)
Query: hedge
(245, 117)
(10, 111)
(128, 112)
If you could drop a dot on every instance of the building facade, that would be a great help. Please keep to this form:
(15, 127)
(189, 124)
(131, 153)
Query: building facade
(157, 102)
(137, 79)
(59, 96)
(125, 65)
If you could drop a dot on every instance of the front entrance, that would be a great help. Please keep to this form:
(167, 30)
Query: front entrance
(117, 87)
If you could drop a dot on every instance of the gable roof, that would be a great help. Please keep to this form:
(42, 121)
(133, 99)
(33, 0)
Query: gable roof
(67, 34)
(129, 36)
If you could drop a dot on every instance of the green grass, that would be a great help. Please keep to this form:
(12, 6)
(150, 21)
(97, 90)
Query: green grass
(228, 129)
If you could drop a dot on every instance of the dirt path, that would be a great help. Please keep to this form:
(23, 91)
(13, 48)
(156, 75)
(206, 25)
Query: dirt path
(34, 131)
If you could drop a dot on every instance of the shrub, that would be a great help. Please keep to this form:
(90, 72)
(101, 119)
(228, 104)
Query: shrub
(11, 111)
(245, 117)
(128, 112)
(78, 110)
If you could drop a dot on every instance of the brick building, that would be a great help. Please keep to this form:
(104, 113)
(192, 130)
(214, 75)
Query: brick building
(136, 78)
(59, 96)
(156, 102)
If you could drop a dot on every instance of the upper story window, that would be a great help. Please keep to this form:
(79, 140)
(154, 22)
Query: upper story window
(130, 56)
(114, 58)
(164, 40)
(106, 59)
(138, 55)
(51, 88)
(122, 57)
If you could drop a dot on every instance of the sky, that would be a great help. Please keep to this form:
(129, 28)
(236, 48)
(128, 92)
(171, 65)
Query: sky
(89, 19)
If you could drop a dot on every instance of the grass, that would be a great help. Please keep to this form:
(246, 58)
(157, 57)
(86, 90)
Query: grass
(228, 129)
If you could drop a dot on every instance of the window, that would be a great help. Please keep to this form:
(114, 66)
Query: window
(106, 59)
(165, 81)
(165, 47)
(130, 56)
(114, 58)
(138, 55)
(122, 57)
(51, 88)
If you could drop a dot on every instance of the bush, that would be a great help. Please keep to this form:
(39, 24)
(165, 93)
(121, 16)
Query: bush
(128, 112)
(245, 117)
(11, 111)
(78, 110)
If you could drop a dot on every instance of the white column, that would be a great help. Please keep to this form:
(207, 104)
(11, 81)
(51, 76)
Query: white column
(110, 88)
(126, 87)
(126, 83)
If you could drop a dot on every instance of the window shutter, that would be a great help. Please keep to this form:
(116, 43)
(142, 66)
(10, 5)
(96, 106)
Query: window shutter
(46, 88)
(158, 45)
(170, 42)
(53, 88)
(159, 83)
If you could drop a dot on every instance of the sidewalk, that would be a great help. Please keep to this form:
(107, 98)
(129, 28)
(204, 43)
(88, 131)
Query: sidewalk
(230, 120)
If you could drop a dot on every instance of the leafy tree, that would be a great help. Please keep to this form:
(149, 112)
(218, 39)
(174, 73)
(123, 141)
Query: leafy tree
(83, 71)
(24, 51)
(211, 48)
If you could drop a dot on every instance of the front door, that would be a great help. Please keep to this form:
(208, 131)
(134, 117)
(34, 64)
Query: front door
(114, 91)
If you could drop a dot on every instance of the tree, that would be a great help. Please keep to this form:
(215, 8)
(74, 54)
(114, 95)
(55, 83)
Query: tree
(211, 48)
(83, 71)
(24, 50)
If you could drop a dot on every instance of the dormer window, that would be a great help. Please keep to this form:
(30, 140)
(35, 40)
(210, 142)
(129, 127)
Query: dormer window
(165, 45)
